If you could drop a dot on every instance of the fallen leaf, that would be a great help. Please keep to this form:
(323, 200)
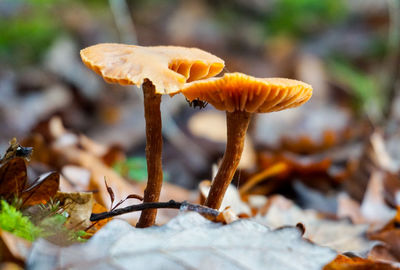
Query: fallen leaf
(383, 254)
(97, 225)
(187, 242)
(356, 263)
(13, 178)
(340, 235)
(42, 189)
(391, 238)
(391, 184)
(79, 207)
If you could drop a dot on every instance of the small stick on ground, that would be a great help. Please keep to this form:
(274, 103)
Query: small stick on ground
(154, 205)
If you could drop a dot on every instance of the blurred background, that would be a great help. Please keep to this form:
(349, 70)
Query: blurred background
(348, 50)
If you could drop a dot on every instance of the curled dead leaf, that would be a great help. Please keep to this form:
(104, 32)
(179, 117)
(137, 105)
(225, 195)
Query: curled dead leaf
(13, 178)
(42, 189)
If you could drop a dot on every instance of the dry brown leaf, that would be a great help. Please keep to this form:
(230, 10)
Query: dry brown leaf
(392, 240)
(13, 178)
(382, 253)
(42, 189)
(346, 263)
(392, 189)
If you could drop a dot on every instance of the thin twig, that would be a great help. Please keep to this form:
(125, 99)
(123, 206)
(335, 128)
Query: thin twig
(152, 205)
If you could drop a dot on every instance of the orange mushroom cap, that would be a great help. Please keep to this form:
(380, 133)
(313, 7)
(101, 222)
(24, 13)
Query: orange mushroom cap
(240, 92)
(167, 67)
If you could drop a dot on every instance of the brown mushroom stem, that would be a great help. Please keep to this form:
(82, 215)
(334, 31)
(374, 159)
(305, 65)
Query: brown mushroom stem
(237, 124)
(152, 115)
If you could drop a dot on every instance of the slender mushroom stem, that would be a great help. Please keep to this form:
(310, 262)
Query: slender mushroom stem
(152, 115)
(237, 124)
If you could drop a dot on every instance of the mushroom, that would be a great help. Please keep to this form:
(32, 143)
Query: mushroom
(240, 96)
(159, 70)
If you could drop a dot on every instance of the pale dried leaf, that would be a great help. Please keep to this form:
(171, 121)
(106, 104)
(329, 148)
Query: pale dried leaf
(187, 242)
(79, 206)
(339, 235)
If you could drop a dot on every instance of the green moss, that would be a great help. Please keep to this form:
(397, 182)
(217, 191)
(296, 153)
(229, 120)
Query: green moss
(13, 221)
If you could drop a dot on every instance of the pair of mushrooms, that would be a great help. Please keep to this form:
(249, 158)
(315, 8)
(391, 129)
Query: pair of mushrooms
(171, 70)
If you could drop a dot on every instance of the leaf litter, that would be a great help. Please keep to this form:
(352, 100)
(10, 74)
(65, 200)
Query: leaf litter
(322, 230)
